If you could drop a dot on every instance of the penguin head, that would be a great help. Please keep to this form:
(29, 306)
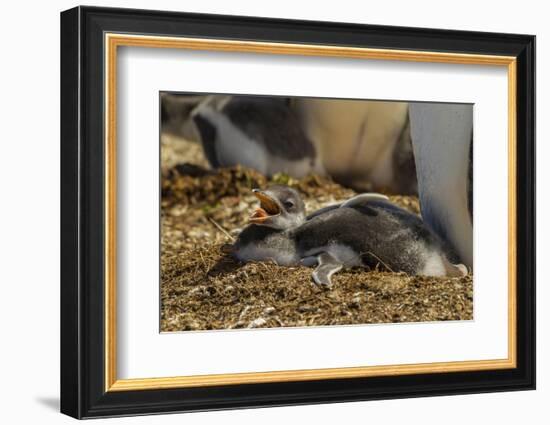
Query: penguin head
(281, 207)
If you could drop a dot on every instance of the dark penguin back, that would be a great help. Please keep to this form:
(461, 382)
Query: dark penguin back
(271, 122)
(379, 232)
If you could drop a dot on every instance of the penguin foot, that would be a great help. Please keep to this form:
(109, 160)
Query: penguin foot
(455, 270)
(328, 265)
(462, 269)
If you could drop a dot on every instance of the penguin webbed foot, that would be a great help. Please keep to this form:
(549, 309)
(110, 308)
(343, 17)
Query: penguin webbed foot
(461, 269)
(327, 266)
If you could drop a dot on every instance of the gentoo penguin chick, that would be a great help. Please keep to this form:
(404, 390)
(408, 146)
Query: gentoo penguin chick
(365, 231)
(369, 231)
(262, 133)
(268, 235)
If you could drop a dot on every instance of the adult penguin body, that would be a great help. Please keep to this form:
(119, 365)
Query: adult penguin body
(262, 133)
(362, 144)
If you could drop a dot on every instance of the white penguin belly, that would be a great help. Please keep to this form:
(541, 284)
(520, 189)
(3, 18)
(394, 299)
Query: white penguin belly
(434, 265)
(233, 147)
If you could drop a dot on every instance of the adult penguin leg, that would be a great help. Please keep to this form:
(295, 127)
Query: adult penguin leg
(441, 137)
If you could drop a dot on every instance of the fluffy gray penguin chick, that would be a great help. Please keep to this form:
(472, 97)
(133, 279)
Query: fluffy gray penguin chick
(365, 231)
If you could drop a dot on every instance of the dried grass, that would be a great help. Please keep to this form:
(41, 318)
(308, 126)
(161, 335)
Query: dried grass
(203, 289)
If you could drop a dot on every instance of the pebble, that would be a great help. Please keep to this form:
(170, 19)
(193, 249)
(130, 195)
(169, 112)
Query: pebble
(256, 323)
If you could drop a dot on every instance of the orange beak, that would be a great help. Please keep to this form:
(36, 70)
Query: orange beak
(268, 208)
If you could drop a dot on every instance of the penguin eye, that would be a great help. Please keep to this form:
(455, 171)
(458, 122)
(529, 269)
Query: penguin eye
(288, 205)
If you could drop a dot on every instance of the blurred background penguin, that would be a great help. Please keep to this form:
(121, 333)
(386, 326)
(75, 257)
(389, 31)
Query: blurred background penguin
(364, 145)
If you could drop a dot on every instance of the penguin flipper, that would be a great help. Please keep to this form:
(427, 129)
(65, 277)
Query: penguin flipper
(358, 200)
(363, 198)
(322, 211)
(328, 265)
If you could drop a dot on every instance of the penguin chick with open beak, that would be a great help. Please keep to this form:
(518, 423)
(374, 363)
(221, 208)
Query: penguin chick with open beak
(280, 208)
(365, 231)
(267, 237)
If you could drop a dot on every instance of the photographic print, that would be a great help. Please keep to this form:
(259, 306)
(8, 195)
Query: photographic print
(300, 211)
(309, 212)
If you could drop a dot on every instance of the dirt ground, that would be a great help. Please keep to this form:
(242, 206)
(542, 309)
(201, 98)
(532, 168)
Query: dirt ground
(203, 289)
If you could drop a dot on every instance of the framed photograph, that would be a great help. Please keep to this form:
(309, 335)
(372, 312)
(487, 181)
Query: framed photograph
(261, 212)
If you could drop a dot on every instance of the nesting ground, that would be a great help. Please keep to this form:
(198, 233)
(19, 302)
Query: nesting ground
(203, 289)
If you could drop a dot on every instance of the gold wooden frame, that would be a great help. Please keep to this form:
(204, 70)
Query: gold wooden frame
(113, 41)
